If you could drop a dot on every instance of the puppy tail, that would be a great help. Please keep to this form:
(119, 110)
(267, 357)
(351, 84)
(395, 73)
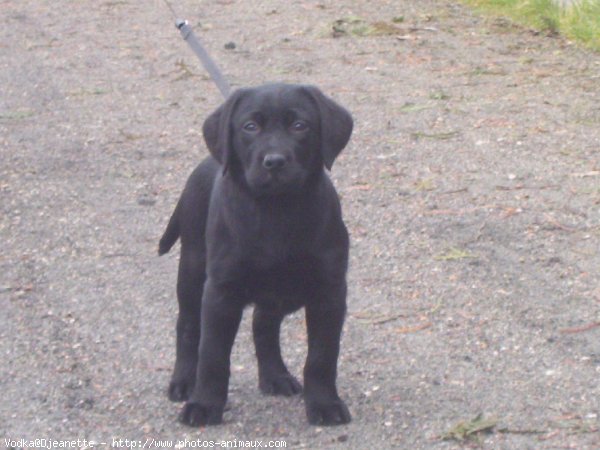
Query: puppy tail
(170, 235)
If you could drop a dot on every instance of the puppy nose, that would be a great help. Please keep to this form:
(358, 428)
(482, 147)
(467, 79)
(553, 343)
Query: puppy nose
(273, 161)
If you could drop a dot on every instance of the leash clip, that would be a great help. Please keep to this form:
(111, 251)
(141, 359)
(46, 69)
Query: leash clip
(179, 23)
(183, 26)
(211, 67)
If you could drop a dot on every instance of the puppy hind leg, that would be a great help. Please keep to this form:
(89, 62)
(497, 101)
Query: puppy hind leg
(274, 377)
(190, 284)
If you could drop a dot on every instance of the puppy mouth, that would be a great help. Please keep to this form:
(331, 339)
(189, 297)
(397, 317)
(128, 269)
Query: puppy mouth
(273, 183)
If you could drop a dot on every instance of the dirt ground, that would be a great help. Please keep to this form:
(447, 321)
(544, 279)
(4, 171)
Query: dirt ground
(471, 189)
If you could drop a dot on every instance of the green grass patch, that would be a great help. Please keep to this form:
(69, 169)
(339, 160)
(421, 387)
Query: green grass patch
(469, 430)
(579, 21)
(454, 254)
(409, 107)
(438, 136)
(356, 26)
(16, 115)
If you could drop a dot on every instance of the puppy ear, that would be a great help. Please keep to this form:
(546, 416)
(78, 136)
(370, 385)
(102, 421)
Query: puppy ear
(217, 130)
(336, 125)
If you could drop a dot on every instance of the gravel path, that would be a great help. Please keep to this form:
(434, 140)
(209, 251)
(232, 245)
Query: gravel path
(471, 189)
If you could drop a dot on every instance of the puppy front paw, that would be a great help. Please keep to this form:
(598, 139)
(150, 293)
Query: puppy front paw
(331, 413)
(183, 380)
(196, 415)
(279, 384)
(180, 390)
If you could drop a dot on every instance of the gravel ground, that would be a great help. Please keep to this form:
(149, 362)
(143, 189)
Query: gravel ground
(471, 189)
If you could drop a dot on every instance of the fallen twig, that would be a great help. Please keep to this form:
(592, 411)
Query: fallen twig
(581, 329)
(432, 29)
(525, 431)
(591, 173)
(459, 212)
(455, 191)
(377, 319)
(414, 329)
(559, 225)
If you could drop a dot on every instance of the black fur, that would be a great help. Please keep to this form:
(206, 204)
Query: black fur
(260, 222)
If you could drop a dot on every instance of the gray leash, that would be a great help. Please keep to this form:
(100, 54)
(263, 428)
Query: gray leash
(211, 67)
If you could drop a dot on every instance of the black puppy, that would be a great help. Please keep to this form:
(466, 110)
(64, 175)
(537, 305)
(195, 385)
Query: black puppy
(260, 222)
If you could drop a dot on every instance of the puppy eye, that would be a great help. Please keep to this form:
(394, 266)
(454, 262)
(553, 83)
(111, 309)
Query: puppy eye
(251, 127)
(299, 125)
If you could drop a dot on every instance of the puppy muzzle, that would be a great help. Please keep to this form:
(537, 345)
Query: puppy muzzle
(274, 162)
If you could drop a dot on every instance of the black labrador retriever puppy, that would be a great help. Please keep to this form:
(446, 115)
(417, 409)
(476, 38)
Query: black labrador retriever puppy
(260, 222)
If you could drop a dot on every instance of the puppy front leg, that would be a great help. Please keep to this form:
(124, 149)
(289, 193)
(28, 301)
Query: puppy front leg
(324, 320)
(273, 376)
(220, 319)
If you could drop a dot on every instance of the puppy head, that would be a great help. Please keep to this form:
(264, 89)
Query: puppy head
(274, 137)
